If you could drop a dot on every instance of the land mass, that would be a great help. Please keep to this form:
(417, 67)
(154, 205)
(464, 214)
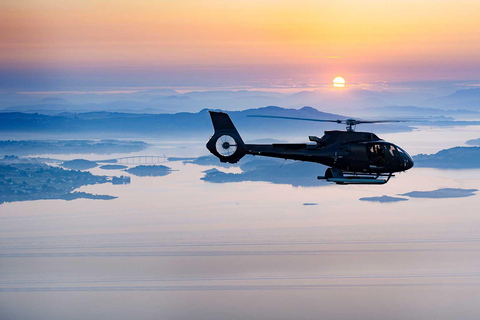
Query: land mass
(454, 158)
(383, 199)
(179, 125)
(171, 101)
(27, 179)
(442, 193)
(149, 171)
(474, 142)
(79, 164)
(35, 147)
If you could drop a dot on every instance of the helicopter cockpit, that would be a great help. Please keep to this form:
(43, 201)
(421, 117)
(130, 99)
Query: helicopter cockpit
(383, 155)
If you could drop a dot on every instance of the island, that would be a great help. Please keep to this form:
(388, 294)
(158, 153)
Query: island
(383, 199)
(79, 164)
(149, 171)
(474, 142)
(453, 158)
(29, 179)
(442, 193)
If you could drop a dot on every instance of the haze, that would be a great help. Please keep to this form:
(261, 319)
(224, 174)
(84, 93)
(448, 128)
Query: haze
(112, 208)
(71, 44)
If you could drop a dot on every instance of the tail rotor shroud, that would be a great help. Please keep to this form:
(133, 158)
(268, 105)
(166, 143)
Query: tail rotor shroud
(226, 142)
(226, 145)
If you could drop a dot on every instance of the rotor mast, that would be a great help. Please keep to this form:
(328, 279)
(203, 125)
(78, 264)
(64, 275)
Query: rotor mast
(351, 125)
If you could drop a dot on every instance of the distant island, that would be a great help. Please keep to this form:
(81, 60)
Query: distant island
(149, 171)
(453, 158)
(383, 199)
(442, 193)
(34, 147)
(79, 164)
(27, 179)
(474, 142)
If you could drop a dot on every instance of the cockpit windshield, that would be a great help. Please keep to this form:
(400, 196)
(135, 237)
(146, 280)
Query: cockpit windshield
(392, 150)
(402, 152)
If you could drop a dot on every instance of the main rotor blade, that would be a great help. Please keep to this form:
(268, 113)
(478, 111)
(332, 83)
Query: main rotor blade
(379, 121)
(293, 118)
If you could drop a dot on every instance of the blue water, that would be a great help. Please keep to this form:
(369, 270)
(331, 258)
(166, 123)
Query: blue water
(175, 247)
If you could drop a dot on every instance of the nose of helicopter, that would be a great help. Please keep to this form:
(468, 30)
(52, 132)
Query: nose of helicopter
(408, 163)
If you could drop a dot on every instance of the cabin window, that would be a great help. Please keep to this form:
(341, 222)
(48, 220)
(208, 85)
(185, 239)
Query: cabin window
(376, 154)
(392, 150)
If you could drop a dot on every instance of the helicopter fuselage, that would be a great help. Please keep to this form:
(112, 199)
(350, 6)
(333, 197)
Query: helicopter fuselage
(352, 157)
(361, 152)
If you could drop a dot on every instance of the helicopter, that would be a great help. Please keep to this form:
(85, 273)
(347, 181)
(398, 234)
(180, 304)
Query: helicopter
(351, 157)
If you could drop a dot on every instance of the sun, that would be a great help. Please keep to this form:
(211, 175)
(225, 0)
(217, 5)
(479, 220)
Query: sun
(339, 82)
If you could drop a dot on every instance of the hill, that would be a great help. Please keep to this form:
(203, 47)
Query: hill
(179, 125)
(455, 158)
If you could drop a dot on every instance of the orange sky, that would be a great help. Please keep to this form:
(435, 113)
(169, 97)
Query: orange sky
(360, 40)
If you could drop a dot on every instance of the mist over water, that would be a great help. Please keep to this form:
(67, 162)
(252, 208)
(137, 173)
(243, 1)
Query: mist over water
(176, 247)
(86, 83)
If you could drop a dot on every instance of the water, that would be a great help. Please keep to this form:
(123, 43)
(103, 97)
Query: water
(175, 247)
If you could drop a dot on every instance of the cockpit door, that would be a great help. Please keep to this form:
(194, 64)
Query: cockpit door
(392, 157)
(377, 156)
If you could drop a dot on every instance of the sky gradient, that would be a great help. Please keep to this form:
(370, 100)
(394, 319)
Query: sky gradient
(231, 42)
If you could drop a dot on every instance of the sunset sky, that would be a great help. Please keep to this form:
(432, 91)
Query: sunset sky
(181, 43)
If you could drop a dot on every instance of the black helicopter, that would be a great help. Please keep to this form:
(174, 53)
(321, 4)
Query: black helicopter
(352, 157)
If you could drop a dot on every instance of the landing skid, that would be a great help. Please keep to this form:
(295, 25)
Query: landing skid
(340, 177)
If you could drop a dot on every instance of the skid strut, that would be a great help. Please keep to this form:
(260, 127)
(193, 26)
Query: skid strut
(344, 177)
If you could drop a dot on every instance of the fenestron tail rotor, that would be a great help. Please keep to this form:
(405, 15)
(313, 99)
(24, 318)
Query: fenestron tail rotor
(351, 123)
(226, 145)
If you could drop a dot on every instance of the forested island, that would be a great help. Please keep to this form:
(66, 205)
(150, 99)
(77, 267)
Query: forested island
(149, 171)
(79, 164)
(27, 179)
